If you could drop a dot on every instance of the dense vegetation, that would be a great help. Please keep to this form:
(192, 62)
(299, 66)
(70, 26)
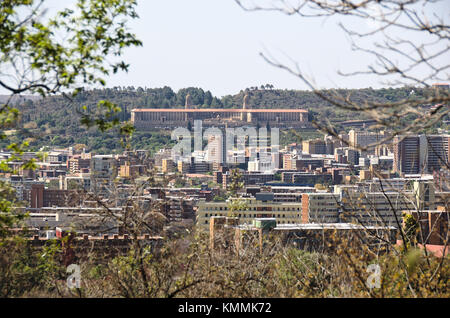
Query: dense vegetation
(187, 267)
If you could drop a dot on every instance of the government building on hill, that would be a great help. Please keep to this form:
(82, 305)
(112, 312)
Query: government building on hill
(153, 118)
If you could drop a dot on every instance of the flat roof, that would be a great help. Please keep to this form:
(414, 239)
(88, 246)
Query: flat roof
(320, 226)
(218, 110)
(338, 226)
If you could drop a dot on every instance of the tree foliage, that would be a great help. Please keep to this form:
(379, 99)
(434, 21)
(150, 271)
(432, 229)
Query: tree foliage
(58, 54)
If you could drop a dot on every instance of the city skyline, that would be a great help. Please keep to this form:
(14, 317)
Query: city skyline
(156, 183)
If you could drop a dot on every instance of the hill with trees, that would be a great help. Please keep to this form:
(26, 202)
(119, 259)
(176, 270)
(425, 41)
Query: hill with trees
(56, 120)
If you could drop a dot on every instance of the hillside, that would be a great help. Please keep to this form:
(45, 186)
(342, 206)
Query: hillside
(56, 120)
(18, 99)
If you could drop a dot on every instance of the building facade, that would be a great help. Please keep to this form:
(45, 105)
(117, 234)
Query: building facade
(283, 212)
(151, 118)
(420, 153)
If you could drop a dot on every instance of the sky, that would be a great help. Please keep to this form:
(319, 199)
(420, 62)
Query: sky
(215, 45)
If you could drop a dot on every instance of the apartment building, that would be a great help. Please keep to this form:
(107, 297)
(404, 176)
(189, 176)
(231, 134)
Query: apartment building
(78, 164)
(193, 166)
(363, 139)
(315, 146)
(387, 207)
(248, 178)
(103, 171)
(265, 207)
(420, 153)
(320, 208)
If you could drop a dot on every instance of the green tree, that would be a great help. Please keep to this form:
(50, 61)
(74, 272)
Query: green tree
(411, 228)
(75, 47)
(236, 183)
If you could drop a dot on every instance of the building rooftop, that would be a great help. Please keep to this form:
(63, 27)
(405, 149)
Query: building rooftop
(337, 226)
(319, 226)
(219, 110)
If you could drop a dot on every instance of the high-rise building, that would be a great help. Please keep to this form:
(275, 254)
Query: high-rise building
(315, 146)
(420, 153)
(362, 139)
(103, 172)
(216, 151)
(288, 161)
(437, 146)
(347, 155)
(407, 154)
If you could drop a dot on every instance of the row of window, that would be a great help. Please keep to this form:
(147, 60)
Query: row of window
(224, 208)
(254, 215)
(279, 222)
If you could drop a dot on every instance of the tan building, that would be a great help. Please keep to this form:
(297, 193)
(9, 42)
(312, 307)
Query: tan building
(284, 213)
(78, 164)
(387, 207)
(365, 175)
(362, 139)
(128, 171)
(355, 205)
(147, 119)
(315, 146)
(288, 161)
(167, 166)
(320, 208)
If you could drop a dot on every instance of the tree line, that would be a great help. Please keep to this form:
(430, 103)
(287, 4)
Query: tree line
(55, 120)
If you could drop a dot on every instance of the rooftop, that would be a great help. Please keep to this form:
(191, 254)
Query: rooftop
(322, 226)
(219, 110)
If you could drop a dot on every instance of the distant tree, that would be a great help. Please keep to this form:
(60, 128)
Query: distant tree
(208, 98)
(411, 228)
(236, 182)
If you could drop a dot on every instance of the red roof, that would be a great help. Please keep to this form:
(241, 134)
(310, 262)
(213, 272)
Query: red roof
(437, 250)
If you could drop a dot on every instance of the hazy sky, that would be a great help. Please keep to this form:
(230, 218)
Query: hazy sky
(215, 45)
